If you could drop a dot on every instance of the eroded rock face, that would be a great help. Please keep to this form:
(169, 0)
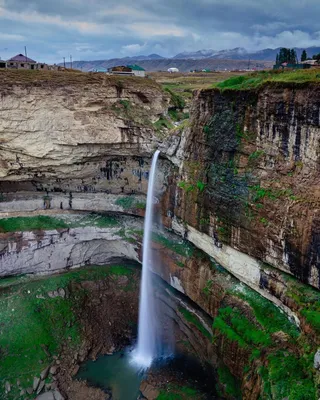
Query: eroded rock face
(46, 252)
(78, 134)
(248, 195)
(249, 176)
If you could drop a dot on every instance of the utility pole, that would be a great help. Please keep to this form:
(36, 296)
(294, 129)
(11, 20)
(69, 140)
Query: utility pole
(64, 61)
(249, 64)
(25, 52)
(71, 62)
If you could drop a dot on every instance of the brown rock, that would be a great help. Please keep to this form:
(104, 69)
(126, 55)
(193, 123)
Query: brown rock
(54, 369)
(149, 391)
(29, 390)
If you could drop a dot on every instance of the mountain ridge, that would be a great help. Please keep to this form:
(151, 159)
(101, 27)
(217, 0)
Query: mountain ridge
(232, 59)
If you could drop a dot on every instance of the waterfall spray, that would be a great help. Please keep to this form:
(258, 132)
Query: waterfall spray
(149, 333)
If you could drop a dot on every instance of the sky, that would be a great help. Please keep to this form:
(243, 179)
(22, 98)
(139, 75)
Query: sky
(103, 29)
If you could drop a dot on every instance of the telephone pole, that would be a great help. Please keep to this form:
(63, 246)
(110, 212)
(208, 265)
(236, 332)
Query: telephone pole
(64, 62)
(25, 52)
(71, 62)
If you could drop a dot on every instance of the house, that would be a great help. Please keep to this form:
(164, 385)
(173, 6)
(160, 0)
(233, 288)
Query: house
(3, 64)
(137, 70)
(21, 62)
(130, 70)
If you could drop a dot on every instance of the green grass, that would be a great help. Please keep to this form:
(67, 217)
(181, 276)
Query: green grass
(130, 202)
(231, 384)
(126, 202)
(188, 316)
(175, 392)
(307, 299)
(42, 222)
(176, 100)
(208, 288)
(236, 327)
(176, 245)
(178, 115)
(290, 377)
(163, 123)
(266, 313)
(313, 318)
(31, 322)
(258, 79)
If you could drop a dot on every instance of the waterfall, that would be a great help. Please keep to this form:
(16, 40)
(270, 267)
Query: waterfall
(149, 332)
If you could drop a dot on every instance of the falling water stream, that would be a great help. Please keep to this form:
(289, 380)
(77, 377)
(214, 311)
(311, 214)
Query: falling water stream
(149, 333)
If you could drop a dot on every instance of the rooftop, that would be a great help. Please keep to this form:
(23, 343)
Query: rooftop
(22, 58)
(135, 67)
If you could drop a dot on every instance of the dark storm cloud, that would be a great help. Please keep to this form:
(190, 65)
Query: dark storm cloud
(102, 29)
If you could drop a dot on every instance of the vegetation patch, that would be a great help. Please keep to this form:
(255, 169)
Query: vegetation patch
(233, 324)
(270, 317)
(207, 289)
(231, 384)
(163, 123)
(258, 79)
(175, 392)
(190, 317)
(130, 202)
(177, 101)
(43, 222)
(178, 116)
(182, 248)
(34, 325)
(289, 377)
(308, 300)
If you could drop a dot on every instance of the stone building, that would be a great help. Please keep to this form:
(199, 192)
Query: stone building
(21, 62)
(131, 70)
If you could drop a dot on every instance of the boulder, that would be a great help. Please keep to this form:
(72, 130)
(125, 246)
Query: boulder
(57, 395)
(149, 391)
(316, 361)
(46, 396)
(7, 387)
(44, 374)
(40, 387)
(36, 382)
(54, 369)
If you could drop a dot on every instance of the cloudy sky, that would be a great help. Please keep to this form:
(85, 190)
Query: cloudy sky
(99, 29)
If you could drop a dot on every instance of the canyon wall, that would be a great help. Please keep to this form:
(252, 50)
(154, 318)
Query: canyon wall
(77, 132)
(239, 186)
(249, 179)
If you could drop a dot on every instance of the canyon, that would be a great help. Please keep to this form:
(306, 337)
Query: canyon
(238, 194)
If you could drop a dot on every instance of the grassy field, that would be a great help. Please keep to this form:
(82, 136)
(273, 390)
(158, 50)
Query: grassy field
(184, 84)
(9, 77)
(258, 79)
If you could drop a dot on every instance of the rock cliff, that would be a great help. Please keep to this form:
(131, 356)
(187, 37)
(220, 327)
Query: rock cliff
(249, 177)
(76, 132)
(239, 185)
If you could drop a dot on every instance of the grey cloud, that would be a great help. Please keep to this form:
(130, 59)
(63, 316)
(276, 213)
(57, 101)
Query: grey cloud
(107, 28)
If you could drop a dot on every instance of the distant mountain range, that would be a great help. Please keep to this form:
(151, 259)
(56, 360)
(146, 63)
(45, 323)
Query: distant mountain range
(233, 59)
(240, 53)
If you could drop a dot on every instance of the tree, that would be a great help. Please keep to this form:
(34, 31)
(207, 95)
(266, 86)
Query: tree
(286, 56)
(304, 56)
(292, 57)
(316, 57)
